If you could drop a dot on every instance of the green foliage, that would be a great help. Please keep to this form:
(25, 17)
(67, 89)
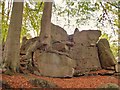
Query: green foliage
(114, 48)
(104, 35)
(4, 30)
(4, 21)
(80, 11)
(32, 18)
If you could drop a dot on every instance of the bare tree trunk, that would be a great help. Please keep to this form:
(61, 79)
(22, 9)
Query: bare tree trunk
(45, 34)
(12, 46)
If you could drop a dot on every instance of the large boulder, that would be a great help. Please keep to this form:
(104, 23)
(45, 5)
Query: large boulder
(105, 54)
(85, 51)
(58, 33)
(54, 65)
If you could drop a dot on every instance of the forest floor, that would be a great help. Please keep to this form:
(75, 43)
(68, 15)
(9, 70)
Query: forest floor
(22, 81)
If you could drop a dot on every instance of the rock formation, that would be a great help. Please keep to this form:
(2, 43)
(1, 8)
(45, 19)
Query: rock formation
(84, 50)
(69, 55)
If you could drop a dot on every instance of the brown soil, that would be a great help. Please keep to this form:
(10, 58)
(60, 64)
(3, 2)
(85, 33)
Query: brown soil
(21, 81)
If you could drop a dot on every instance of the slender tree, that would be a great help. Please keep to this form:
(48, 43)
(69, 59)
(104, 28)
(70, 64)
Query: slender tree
(12, 46)
(45, 34)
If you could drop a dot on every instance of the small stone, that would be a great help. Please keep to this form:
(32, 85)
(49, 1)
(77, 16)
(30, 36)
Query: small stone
(107, 73)
(110, 68)
(117, 74)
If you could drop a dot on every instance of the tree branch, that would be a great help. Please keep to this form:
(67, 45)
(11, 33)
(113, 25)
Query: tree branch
(105, 11)
(113, 5)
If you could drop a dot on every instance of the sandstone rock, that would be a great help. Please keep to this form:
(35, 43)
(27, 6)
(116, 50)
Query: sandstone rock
(77, 73)
(26, 44)
(86, 37)
(110, 68)
(54, 65)
(110, 72)
(58, 33)
(105, 54)
(86, 56)
(60, 46)
(117, 68)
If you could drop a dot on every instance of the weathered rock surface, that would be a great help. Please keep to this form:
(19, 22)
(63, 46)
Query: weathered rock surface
(110, 72)
(60, 46)
(85, 51)
(31, 45)
(110, 68)
(26, 44)
(105, 54)
(54, 65)
(58, 33)
(86, 37)
(117, 67)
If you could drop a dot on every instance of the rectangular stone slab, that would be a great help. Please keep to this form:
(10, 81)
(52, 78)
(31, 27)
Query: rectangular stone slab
(54, 65)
